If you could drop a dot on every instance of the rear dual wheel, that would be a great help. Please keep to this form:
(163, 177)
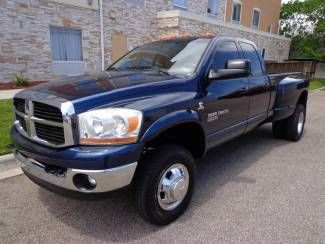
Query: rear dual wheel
(291, 128)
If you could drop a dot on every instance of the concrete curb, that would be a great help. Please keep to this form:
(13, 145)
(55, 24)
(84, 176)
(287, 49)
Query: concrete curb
(10, 173)
(9, 167)
(6, 158)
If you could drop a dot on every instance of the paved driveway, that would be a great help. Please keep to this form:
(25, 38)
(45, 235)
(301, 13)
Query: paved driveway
(254, 189)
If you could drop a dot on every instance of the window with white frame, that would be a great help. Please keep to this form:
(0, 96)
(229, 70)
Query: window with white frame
(66, 44)
(236, 12)
(180, 3)
(213, 7)
(256, 18)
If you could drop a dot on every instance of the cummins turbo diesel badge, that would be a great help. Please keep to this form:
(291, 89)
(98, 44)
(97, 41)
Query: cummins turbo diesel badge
(215, 116)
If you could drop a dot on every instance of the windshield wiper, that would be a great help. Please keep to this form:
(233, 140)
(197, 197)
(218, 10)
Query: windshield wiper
(159, 70)
(140, 67)
(163, 72)
(114, 69)
(143, 67)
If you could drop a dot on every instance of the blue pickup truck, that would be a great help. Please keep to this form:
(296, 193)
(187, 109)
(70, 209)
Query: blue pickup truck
(144, 121)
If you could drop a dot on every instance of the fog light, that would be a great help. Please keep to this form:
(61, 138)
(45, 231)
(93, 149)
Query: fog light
(84, 182)
(92, 181)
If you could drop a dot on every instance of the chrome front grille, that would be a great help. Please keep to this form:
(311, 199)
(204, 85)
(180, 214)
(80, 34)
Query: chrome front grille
(19, 104)
(47, 112)
(21, 121)
(43, 123)
(50, 133)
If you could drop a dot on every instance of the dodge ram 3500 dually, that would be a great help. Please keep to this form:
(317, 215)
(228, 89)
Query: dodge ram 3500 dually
(145, 120)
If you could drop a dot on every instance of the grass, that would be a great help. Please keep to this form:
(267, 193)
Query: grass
(315, 84)
(6, 119)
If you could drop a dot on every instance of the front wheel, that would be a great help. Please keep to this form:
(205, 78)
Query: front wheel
(164, 184)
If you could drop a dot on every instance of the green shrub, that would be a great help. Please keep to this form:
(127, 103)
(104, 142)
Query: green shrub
(20, 79)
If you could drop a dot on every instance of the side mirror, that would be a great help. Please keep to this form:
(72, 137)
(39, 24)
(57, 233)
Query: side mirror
(234, 68)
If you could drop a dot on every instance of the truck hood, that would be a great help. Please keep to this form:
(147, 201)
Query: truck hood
(73, 88)
(94, 90)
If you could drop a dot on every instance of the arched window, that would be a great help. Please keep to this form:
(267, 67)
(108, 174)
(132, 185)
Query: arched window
(236, 12)
(256, 18)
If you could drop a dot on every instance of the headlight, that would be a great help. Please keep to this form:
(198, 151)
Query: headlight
(109, 126)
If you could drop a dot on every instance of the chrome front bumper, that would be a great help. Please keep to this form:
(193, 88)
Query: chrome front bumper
(106, 180)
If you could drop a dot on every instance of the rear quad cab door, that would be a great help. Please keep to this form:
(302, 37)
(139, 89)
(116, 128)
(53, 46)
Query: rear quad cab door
(226, 102)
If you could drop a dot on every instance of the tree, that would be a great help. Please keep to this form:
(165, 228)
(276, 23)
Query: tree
(305, 22)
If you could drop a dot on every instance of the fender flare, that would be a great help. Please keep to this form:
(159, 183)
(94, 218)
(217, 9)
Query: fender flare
(304, 92)
(170, 120)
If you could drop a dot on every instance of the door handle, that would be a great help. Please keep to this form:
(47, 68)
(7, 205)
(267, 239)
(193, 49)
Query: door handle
(244, 89)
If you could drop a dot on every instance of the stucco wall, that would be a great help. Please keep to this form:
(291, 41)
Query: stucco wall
(269, 10)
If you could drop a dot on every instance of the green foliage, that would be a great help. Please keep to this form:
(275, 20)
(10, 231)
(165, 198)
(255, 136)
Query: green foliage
(6, 119)
(20, 79)
(308, 46)
(305, 22)
(316, 84)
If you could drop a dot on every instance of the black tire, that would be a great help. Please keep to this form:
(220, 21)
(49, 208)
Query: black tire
(151, 169)
(278, 129)
(293, 133)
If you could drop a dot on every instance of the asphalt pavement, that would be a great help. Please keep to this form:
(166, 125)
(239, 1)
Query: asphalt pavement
(254, 189)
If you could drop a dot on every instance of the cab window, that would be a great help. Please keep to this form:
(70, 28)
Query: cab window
(251, 54)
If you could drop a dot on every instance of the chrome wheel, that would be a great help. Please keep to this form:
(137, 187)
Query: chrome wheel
(173, 187)
(301, 122)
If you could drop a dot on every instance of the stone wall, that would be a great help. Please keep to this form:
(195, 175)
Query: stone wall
(179, 23)
(139, 23)
(25, 36)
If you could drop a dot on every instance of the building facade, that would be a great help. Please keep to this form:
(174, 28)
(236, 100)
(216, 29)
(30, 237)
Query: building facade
(260, 15)
(46, 39)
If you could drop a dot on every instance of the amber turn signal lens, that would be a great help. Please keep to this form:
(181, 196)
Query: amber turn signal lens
(133, 124)
(97, 141)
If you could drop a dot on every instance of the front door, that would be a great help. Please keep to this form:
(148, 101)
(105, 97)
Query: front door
(226, 100)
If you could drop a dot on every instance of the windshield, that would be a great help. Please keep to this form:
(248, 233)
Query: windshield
(172, 57)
